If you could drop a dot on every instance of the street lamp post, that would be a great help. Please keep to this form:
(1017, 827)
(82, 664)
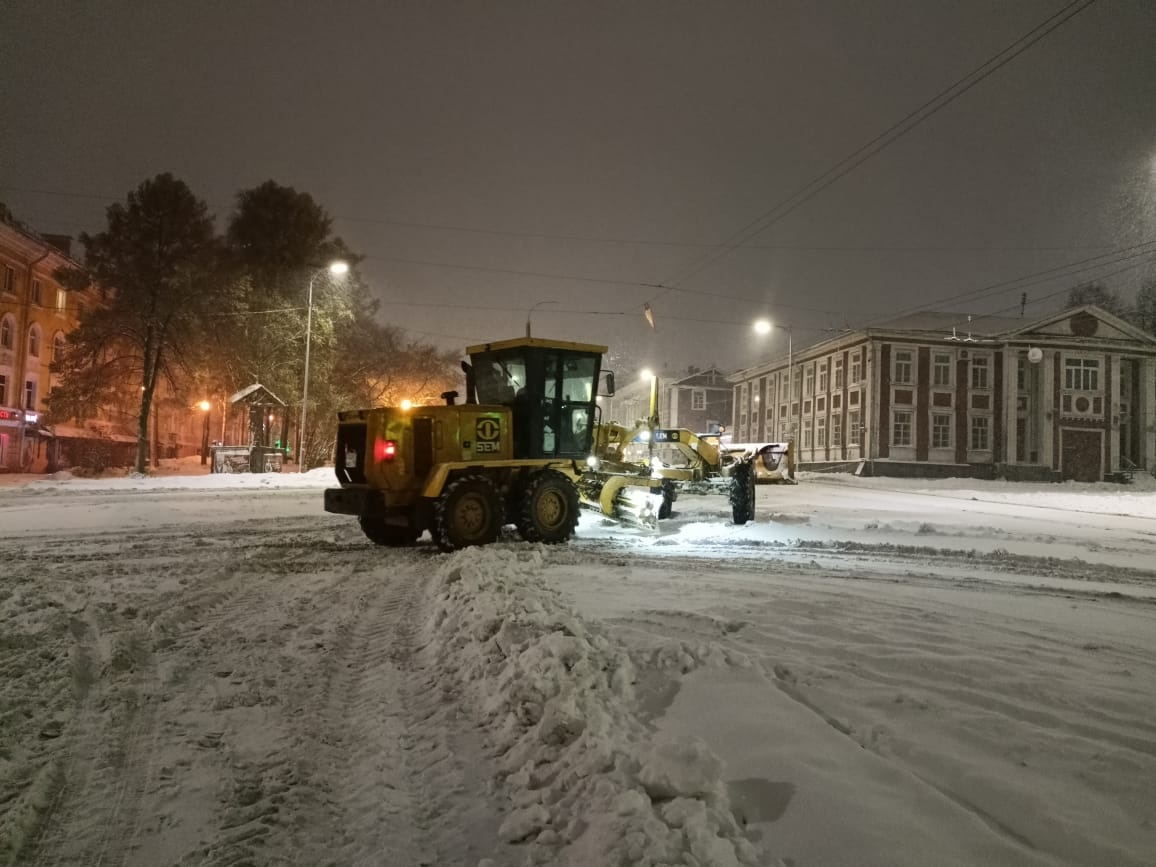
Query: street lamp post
(205, 405)
(336, 268)
(764, 326)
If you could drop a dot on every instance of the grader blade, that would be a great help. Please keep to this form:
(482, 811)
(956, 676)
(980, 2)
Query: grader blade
(631, 500)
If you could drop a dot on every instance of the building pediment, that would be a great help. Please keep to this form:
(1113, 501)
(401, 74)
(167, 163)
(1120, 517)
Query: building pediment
(1087, 323)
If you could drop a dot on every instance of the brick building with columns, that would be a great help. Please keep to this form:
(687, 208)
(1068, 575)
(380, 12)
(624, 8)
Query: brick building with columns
(1069, 396)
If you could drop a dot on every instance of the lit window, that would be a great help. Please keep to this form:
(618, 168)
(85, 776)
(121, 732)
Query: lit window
(901, 428)
(903, 366)
(941, 430)
(61, 300)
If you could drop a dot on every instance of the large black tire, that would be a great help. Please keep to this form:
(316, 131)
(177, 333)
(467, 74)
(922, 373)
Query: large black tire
(548, 511)
(743, 492)
(469, 512)
(669, 495)
(390, 535)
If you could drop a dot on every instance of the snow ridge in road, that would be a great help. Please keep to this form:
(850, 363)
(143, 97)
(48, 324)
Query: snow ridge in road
(555, 696)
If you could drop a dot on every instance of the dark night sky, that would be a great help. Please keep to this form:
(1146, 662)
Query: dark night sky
(611, 141)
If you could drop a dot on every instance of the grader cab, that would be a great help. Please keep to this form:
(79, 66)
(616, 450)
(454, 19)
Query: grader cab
(515, 452)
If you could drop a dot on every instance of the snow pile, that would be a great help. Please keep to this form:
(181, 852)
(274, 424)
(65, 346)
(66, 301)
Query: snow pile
(66, 482)
(555, 696)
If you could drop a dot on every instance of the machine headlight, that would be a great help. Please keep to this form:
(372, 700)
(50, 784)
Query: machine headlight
(593, 462)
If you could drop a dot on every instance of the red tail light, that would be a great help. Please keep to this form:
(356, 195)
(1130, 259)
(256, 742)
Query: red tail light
(384, 450)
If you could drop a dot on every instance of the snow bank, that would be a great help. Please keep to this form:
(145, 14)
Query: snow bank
(587, 785)
(65, 482)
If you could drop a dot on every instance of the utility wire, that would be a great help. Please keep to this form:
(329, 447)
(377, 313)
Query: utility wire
(886, 138)
(638, 242)
(1033, 279)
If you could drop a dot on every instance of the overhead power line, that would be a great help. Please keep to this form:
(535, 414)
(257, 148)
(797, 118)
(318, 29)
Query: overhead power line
(639, 242)
(1017, 284)
(876, 145)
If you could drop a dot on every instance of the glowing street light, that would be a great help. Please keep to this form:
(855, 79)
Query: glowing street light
(764, 326)
(336, 268)
(205, 407)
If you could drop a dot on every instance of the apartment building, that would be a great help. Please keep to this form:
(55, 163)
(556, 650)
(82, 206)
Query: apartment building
(1068, 396)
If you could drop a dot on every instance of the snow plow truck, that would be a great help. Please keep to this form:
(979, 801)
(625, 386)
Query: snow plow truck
(518, 450)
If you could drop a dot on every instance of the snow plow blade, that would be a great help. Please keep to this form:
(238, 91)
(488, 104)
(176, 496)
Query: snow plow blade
(631, 500)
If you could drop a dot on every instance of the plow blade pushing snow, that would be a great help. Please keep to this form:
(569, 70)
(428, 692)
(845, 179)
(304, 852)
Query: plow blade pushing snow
(631, 500)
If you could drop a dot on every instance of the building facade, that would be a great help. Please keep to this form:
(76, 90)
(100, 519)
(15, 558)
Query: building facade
(37, 314)
(701, 401)
(1069, 396)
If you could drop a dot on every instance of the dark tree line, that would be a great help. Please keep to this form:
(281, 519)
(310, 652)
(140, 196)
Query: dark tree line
(210, 313)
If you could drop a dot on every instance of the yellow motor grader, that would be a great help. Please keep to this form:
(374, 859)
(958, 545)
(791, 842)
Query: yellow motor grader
(519, 450)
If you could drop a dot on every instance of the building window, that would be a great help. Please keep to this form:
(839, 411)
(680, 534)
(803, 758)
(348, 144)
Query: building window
(854, 428)
(1081, 374)
(3, 389)
(836, 431)
(820, 404)
(980, 432)
(743, 426)
(698, 399)
(6, 329)
(857, 366)
(941, 369)
(30, 394)
(941, 430)
(782, 411)
(823, 377)
(853, 398)
(58, 347)
(981, 372)
(37, 292)
(34, 341)
(903, 366)
(807, 436)
(821, 433)
(901, 428)
(9, 280)
(809, 381)
(839, 372)
(836, 401)
(61, 300)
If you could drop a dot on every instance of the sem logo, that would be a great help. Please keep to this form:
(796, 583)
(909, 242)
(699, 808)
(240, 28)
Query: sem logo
(488, 430)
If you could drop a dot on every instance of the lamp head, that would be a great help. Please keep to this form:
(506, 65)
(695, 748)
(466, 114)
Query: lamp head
(762, 326)
(338, 267)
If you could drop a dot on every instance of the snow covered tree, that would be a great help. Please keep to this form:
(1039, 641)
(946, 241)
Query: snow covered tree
(158, 265)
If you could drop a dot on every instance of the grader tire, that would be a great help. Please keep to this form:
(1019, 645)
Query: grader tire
(669, 495)
(391, 535)
(743, 492)
(549, 508)
(469, 512)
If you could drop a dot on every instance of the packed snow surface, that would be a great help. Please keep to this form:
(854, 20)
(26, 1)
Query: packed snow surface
(210, 670)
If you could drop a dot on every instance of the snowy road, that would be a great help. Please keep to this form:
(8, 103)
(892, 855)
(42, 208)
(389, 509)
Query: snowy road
(890, 675)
